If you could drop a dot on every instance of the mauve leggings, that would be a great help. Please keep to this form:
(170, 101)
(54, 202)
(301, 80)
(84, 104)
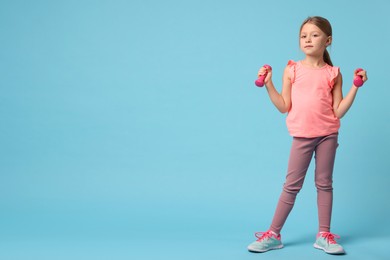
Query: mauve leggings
(302, 150)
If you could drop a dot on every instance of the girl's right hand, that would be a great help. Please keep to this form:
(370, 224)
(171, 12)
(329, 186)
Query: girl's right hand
(263, 71)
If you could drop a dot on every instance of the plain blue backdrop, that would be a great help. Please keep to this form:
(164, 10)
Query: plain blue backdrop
(133, 130)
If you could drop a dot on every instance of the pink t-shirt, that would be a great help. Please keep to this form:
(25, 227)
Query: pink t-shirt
(311, 113)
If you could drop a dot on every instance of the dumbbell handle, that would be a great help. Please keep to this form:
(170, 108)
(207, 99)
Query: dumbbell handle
(260, 81)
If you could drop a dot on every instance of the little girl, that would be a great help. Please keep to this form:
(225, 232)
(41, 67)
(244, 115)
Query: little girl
(312, 96)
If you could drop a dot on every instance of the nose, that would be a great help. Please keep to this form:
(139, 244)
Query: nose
(308, 39)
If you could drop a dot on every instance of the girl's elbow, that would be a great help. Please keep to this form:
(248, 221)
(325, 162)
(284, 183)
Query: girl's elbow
(283, 107)
(338, 114)
(283, 110)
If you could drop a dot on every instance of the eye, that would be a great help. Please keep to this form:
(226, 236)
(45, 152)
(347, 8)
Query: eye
(303, 36)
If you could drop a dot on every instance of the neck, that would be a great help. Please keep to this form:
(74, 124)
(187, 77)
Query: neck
(314, 62)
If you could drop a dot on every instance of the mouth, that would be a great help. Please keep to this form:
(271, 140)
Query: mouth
(308, 46)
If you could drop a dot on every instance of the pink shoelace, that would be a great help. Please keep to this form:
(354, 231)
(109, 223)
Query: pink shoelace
(330, 237)
(265, 235)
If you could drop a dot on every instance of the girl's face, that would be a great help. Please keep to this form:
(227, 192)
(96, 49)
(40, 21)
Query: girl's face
(313, 41)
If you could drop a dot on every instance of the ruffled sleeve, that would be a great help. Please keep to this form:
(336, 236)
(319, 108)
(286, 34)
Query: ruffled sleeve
(334, 72)
(292, 66)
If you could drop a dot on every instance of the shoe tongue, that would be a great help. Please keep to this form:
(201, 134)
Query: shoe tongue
(267, 235)
(329, 237)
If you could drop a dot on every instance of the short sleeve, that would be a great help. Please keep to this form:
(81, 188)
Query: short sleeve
(334, 72)
(292, 66)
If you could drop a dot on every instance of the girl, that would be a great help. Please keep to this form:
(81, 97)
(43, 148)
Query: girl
(312, 96)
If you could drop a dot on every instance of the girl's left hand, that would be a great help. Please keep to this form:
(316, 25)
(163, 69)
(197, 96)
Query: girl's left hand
(361, 73)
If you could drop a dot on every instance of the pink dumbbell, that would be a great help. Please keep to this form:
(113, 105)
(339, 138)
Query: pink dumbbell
(358, 80)
(260, 81)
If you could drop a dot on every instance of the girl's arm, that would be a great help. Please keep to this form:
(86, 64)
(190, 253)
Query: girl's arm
(281, 101)
(341, 105)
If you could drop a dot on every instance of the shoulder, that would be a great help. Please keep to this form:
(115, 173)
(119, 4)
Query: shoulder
(333, 69)
(335, 75)
(291, 66)
(291, 63)
(289, 70)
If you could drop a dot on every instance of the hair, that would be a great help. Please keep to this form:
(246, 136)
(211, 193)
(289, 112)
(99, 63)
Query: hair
(325, 26)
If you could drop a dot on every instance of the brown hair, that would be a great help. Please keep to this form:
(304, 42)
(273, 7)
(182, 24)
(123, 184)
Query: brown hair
(325, 26)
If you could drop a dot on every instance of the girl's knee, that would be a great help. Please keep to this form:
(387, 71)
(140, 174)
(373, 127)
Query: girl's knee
(324, 185)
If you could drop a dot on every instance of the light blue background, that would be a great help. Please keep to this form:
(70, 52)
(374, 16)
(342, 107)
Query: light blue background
(133, 130)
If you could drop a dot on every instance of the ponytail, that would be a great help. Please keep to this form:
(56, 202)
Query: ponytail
(327, 58)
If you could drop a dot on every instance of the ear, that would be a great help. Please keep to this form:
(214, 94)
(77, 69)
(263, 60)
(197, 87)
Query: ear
(328, 41)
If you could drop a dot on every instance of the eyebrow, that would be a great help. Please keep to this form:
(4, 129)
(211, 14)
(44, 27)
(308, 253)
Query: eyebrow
(304, 32)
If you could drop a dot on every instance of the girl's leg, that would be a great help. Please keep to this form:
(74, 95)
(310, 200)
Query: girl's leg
(300, 156)
(324, 157)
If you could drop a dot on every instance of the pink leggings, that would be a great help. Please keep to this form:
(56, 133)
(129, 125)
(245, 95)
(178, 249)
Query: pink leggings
(301, 154)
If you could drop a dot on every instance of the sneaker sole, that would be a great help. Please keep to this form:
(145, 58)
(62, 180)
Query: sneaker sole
(328, 252)
(262, 251)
